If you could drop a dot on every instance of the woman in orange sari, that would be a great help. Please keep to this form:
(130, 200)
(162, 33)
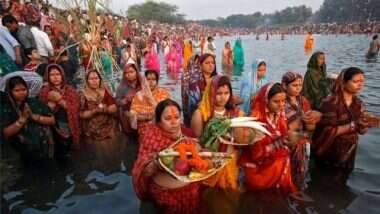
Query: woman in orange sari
(187, 54)
(145, 101)
(149, 180)
(266, 164)
(217, 102)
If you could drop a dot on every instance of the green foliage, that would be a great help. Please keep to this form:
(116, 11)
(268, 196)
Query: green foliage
(290, 15)
(158, 11)
(349, 11)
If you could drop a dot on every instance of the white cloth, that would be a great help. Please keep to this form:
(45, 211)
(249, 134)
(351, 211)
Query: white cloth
(44, 46)
(209, 48)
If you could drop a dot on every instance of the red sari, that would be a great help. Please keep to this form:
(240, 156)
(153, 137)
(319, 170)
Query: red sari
(72, 99)
(181, 200)
(266, 164)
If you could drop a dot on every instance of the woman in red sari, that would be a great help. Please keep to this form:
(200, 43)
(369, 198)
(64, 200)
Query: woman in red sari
(150, 182)
(63, 101)
(301, 122)
(336, 138)
(266, 164)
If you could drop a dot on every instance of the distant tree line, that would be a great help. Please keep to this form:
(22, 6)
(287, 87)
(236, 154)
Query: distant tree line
(340, 11)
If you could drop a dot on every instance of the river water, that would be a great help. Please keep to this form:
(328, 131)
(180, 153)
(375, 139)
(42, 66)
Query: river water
(87, 184)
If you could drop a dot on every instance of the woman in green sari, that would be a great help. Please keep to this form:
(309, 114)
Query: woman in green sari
(238, 57)
(316, 86)
(25, 121)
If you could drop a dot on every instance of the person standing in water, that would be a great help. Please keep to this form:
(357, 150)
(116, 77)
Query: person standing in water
(309, 41)
(374, 47)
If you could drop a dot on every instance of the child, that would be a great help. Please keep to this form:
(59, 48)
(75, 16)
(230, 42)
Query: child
(34, 59)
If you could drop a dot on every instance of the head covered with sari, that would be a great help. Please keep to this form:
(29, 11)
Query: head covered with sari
(69, 95)
(260, 107)
(316, 85)
(238, 53)
(250, 85)
(208, 102)
(126, 88)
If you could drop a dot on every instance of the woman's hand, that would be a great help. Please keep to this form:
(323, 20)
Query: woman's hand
(312, 117)
(26, 113)
(362, 125)
(54, 96)
(152, 168)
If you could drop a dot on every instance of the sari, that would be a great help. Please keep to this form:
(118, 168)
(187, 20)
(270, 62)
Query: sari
(309, 41)
(7, 65)
(152, 60)
(34, 140)
(100, 126)
(187, 53)
(193, 85)
(124, 96)
(141, 105)
(67, 128)
(172, 61)
(250, 85)
(180, 200)
(227, 178)
(316, 86)
(266, 164)
(299, 154)
(238, 58)
(331, 150)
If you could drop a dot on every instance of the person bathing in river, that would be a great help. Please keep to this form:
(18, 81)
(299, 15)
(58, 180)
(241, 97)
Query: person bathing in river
(374, 47)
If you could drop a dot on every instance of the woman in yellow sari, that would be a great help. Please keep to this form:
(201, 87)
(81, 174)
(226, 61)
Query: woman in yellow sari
(217, 102)
(187, 54)
(146, 100)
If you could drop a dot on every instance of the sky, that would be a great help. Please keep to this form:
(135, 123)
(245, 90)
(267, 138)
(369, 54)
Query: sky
(205, 9)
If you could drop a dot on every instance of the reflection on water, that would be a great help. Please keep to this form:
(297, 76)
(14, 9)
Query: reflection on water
(100, 183)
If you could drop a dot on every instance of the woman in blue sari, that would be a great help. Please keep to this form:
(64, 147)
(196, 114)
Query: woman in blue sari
(252, 83)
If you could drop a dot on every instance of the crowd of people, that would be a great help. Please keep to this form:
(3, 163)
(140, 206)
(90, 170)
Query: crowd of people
(302, 114)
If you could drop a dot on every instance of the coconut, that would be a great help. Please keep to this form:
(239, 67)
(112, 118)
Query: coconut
(243, 135)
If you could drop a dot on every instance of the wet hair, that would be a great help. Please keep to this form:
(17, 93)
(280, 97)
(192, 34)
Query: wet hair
(276, 88)
(155, 73)
(8, 19)
(224, 80)
(41, 69)
(161, 106)
(209, 38)
(375, 37)
(351, 72)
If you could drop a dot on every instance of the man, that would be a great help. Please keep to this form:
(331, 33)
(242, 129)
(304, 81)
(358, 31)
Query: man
(10, 45)
(21, 33)
(374, 47)
(44, 45)
(210, 47)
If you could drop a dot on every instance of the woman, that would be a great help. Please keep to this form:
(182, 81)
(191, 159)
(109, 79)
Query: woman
(266, 164)
(151, 58)
(63, 101)
(149, 180)
(172, 62)
(316, 86)
(97, 110)
(187, 53)
(336, 137)
(25, 122)
(301, 121)
(227, 59)
(194, 84)
(252, 83)
(238, 58)
(217, 102)
(146, 100)
(129, 86)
